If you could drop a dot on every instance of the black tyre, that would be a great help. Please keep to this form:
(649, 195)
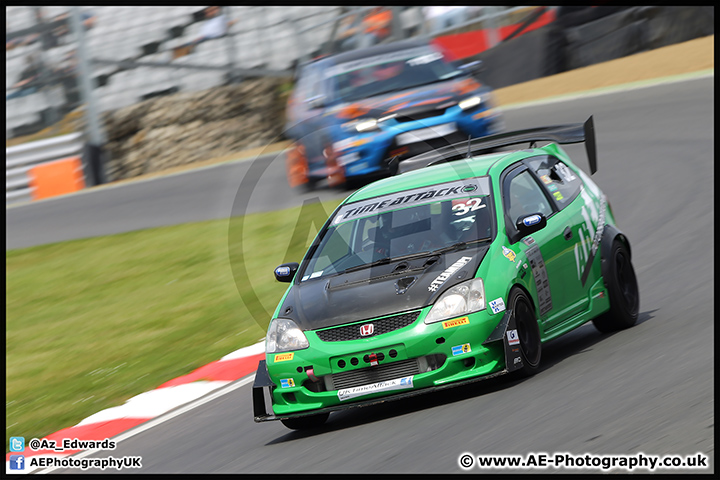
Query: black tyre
(623, 292)
(528, 332)
(305, 423)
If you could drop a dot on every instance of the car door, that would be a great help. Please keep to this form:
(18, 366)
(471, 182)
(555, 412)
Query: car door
(563, 187)
(522, 196)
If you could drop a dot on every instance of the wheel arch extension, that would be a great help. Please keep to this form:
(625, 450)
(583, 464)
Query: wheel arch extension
(610, 233)
(527, 294)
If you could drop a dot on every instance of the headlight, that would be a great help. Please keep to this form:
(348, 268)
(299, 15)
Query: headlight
(464, 298)
(470, 102)
(284, 336)
(366, 125)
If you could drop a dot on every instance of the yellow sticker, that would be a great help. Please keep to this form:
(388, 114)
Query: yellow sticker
(558, 195)
(509, 254)
(283, 357)
(456, 322)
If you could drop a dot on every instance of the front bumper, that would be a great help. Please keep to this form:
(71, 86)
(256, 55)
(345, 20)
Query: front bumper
(370, 153)
(288, 392)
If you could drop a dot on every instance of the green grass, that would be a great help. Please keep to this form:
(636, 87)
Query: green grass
(94, 322)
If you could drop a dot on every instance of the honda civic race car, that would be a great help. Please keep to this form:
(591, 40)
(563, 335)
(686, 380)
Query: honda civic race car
(458, 270)
(360, 113)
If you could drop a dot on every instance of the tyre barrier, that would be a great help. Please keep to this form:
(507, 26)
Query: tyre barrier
(45, 168)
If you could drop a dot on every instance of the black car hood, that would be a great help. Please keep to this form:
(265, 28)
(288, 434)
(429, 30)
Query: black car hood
(385, 289)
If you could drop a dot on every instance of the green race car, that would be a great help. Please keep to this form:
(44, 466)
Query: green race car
(456, 271)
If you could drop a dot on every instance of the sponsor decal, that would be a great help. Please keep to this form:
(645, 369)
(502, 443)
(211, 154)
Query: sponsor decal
(542, 284)
(531, 220)
(546, 180)
(497, 305)
(284, 357)
(460, 349)
(387, 386)
(376, 60)
(512, 337)
(367, 329)
(437, 283)
(552, 188)
(529, 241)
(591, 230)
(455, 323)
(423, 59)
(558, 196)
(287, 382)
(417, 196)
(509, 254)
(282, 271)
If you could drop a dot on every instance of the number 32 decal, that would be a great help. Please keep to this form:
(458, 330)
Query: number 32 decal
(469, 206)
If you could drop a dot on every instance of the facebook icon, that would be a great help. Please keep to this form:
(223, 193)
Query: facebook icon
(17, 462)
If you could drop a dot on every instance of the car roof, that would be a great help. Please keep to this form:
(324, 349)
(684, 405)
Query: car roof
(477, 166)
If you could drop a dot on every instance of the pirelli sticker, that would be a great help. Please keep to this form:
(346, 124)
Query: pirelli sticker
(456, 322)
(284, 357)
(479, 186)
(540, 275)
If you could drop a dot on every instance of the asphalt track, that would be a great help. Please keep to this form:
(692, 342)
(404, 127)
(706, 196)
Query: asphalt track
(645, 390)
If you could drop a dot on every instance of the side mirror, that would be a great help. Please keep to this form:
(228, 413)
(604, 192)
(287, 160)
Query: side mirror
(286, 272)
(530, 224)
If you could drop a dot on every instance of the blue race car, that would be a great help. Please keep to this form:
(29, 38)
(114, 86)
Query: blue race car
(360, 113)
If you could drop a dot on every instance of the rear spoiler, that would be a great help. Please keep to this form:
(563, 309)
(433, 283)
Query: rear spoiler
(563, 134)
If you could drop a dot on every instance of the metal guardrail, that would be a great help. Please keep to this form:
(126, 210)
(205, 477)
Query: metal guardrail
(20, 159)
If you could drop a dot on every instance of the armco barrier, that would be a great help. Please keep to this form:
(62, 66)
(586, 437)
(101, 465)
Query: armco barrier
(25, 184)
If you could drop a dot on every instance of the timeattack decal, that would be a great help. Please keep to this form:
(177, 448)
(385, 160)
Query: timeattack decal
(417, 196)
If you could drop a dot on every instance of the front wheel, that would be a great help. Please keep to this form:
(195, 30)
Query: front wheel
(305, 423)
(528, 332)
(623, 292)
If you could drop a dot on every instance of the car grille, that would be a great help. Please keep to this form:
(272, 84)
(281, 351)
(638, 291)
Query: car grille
(366, 376)
(382, 325)
(421, 115)
(383, 372)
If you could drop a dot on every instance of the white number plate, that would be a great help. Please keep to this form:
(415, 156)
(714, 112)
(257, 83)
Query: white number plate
(426, 133)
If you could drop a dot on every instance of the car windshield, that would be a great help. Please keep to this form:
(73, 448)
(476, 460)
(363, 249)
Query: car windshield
(390, 72)
(407, 224)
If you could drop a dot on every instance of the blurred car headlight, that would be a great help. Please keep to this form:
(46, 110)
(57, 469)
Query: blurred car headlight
(470, 102)
(464, 298)
(366, 125)
(284, 336)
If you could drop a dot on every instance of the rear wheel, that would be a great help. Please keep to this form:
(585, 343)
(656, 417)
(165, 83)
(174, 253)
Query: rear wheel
(623, 292)
(305, 423)
(528, 332)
